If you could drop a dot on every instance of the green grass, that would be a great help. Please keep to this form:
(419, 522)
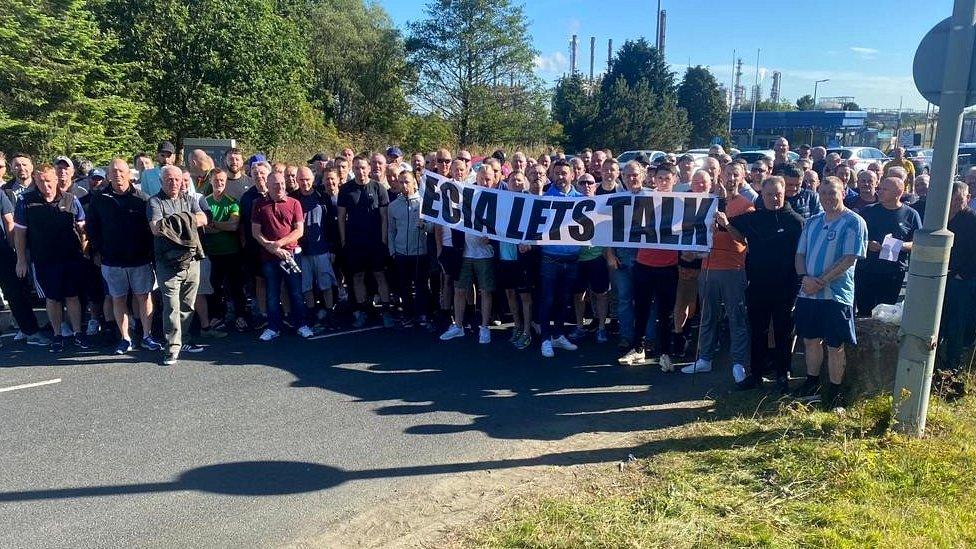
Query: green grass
(784, 477)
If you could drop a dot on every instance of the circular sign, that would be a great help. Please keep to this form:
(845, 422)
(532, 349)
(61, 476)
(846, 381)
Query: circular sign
(929, 67)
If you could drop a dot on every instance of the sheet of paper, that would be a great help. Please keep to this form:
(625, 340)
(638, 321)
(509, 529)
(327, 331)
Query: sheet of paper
(890, 248)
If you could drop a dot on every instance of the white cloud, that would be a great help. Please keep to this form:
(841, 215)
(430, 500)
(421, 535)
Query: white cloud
(551, 65)
(864, 53)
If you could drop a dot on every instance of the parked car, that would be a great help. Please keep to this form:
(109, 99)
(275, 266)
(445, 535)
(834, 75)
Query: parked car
(627, 156)
(697, 154)
(862, 156)
(752, 156)
(920, 157)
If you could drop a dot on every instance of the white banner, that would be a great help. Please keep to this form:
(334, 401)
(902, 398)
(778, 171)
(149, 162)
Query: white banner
(670, 221)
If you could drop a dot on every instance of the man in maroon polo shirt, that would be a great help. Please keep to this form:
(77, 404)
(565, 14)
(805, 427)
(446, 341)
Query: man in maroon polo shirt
(277, 223)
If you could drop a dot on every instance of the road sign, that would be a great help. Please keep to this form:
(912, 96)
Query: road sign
(906, 137)
(929, 66)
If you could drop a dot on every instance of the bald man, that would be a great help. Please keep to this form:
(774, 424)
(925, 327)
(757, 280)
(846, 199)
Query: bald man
(877, 279)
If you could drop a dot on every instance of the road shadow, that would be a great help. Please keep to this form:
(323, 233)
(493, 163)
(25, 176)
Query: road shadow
(500, 391)
(272, 478)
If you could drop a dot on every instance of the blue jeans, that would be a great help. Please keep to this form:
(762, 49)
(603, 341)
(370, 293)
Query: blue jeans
(274, 275)
(623, 283)
(558, 278)
(958, 325)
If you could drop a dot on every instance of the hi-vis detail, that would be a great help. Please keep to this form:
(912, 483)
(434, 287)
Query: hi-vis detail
(670, 221)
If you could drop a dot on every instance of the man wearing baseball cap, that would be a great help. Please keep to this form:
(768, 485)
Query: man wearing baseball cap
(394, 155)
(152, 179)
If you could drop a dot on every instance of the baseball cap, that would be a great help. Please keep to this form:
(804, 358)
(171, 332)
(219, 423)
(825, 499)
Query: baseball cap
(394, 151)
(319, 157)
(64, 159)
(686, 158)
(255, 158)
(97, 172)
(166, 146)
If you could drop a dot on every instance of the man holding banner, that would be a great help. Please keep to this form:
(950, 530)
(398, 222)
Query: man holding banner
(562, 221)
(557, 273)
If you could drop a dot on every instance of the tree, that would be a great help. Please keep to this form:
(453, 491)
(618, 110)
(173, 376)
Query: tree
(214, 68)
(805, 103)
(850, 106)
(58, 92)
(473, 58)
(699, 96)
(358, 63)
(637, 104)
(574, 107)
(628, 119)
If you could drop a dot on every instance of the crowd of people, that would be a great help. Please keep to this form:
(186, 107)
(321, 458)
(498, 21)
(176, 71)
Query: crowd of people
(244, 244)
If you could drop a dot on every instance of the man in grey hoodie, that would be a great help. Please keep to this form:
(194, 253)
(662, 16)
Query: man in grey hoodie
(408, 247)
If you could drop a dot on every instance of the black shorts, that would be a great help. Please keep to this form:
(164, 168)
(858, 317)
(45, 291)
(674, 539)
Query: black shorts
(59, 281)
(450, 260)
(364, 257)
(516, 274)
(825, 319)
(593, 275)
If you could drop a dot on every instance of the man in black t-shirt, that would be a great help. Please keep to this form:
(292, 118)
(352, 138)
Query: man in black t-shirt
(14, 289)
(362, 212)
(50, 234)
(958, 326)
(877, 280)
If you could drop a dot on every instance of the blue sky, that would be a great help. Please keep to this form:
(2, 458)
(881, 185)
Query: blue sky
(866, 49)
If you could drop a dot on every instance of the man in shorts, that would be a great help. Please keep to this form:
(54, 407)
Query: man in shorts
(121, 243)
(49, 233)
(477, 266)
(363, 230)
(316, 242)
(592, 280)
(830, 245)
(516, 270)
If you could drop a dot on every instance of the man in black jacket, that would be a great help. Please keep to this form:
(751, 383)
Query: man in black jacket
(122, 245)
(771, 234)
(958, 327)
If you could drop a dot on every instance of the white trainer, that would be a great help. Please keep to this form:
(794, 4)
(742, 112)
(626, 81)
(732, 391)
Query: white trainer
(562, 343)
(699, 367)
(452, 332)
(268, 334)
(484, 335)
(666, 365)
(547, 348)
(633, 357)
(305, 332)
(738, 373)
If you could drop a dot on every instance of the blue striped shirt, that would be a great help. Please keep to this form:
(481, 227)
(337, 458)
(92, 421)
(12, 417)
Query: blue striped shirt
(823, 243)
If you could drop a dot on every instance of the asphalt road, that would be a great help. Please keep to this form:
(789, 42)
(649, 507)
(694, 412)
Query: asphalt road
(254, 444)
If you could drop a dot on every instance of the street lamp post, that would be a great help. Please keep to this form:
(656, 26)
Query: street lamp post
(815, 84)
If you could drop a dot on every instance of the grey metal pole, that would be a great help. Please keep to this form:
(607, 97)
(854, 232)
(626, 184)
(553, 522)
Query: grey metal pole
(732, 96)
(930, 251)
(755, 98)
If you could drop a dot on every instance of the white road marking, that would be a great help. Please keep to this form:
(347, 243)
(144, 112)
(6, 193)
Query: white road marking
(597, 390)
(8, 335)
(323, 336)
(367, 368)
(29, 385)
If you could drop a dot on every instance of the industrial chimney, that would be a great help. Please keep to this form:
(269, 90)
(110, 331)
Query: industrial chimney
(572, 56)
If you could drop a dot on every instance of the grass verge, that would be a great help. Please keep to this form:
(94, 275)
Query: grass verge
(786, 476)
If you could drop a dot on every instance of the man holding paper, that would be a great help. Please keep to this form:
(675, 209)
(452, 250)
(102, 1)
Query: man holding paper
(891, 228)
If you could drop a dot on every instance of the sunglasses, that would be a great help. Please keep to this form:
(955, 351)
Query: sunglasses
(464, 159)
(444, 160)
